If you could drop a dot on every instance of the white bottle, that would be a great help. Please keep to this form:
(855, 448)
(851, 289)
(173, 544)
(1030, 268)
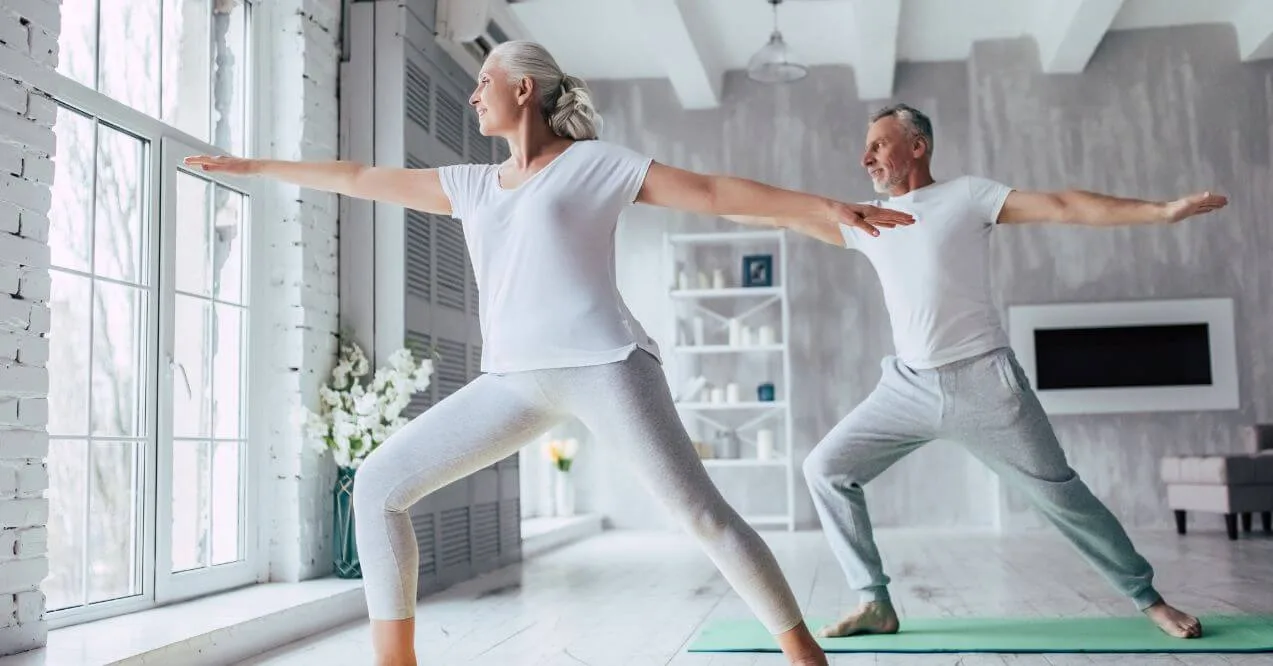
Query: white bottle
(764, 444)
(731, 393)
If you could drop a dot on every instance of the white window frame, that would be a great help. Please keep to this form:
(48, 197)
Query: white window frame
(1216, 313)
(166, 145)
(198, 582)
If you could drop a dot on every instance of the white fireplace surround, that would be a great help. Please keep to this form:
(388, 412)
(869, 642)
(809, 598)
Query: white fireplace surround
(1216, 313)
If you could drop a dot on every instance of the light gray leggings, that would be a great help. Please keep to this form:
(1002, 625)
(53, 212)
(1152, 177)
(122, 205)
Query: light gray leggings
(626, 405)
(986, 404)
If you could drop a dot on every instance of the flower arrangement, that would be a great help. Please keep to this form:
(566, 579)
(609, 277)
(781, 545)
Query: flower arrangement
(356, 414)
(561, 452)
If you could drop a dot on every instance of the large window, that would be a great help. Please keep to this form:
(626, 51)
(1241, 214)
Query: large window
(149, 459)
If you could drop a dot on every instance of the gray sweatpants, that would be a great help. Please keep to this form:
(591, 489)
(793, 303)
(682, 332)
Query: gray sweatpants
(626, 405)
(986, 404)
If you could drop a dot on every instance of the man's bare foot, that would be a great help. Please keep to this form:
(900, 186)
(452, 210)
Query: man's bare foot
(1174, 622)
(872, 617)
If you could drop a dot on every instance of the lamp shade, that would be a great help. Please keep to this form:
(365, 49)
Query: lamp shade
(775, 63)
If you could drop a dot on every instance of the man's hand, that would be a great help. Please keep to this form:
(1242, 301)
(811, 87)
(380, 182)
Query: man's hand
(1196, 204)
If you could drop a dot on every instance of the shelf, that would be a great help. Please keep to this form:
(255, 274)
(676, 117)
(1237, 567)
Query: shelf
(727, 349)
(743, 462)
(767, 520)
(726, 237)
(729, 406)
(733, 292)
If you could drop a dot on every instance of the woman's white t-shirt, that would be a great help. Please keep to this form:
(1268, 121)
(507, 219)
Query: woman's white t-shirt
(543, 256)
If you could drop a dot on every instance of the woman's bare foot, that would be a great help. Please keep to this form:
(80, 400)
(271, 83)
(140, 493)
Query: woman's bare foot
(1174, 622)
(872, 617)
(800, 648)
(394, 642)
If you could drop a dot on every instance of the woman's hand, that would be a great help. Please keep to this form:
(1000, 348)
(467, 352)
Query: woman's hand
(869, 219)
(237, 166)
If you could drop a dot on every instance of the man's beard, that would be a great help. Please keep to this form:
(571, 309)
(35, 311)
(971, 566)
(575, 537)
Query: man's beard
(883, 186)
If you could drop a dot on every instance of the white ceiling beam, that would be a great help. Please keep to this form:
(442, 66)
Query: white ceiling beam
(692, 71)
(1254, 23)
(874, 34)
(1068, 32)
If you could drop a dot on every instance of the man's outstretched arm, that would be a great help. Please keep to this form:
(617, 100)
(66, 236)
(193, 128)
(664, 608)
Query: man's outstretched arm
(1093, 209)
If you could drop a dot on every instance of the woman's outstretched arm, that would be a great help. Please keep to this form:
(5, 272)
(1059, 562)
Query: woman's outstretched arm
(752, 202)
(420, 189)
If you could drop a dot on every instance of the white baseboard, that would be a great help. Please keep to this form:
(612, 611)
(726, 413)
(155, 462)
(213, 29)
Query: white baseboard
(540, 535)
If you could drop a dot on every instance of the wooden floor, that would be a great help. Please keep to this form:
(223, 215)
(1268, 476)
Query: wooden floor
(628, 599)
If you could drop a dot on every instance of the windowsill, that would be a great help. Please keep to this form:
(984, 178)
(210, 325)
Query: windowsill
(221, 628)
(234, 626)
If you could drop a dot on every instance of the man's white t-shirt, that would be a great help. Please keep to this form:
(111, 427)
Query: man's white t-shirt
(543, 257)
(936, 272)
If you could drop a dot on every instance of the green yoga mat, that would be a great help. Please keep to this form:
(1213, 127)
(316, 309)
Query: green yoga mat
(1013, 635)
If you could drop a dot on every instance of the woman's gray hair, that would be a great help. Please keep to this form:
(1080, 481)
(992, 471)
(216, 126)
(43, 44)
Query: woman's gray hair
(917, 124)
(564, 100)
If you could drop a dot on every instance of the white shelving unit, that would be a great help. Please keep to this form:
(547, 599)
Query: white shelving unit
(748, 301)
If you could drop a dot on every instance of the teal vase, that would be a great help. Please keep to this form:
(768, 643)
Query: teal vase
(344, 545)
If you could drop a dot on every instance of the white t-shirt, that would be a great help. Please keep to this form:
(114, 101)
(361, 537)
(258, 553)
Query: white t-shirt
(936, 272)
(543, 256)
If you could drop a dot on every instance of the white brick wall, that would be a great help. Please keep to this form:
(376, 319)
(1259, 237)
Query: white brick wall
(306, 290)
(303, 303)
(29, 28)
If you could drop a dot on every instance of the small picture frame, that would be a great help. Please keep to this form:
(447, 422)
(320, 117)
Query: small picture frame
(758, 270)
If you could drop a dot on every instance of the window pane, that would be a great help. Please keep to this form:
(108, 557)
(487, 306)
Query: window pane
(229, 46)
(227, 371)
(118, 225)
(227, 246)
(191, 377)
(71, 215)
(118, 323)
(77, 44)
(68, 368)
(187, 66)
(68, 479)
(192, 234)
(128, 53)
(225, 502)
(189, 505)
(113, 532)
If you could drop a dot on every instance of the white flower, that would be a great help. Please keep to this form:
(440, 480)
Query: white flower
(423, 374)
(569, 448)
(330, 398)
(381, 379)
(315, 426)
(344, 429)
(358, 361)
(402, 361)
(366, 404)
(340, 375)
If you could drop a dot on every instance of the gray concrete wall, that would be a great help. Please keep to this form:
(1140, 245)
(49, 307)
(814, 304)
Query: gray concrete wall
(1157, 114)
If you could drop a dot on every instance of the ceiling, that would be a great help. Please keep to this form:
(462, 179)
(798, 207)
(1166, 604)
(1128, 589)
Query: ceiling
(693, 42)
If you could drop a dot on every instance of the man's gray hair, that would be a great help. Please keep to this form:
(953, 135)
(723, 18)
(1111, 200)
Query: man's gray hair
(917, 124)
